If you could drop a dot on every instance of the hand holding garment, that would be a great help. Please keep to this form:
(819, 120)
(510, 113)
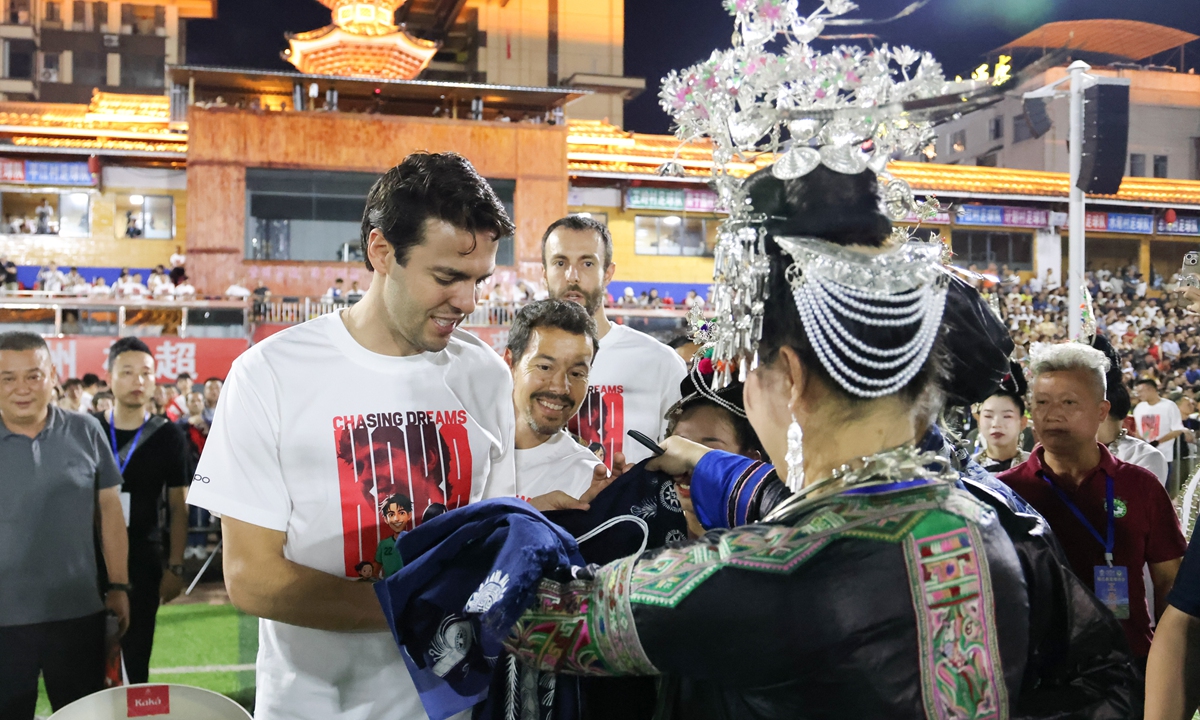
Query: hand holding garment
(467, 577)
(639, 492)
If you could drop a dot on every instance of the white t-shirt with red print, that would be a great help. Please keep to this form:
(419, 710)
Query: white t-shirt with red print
(312, 434)
(1154, 421)
(634, 381)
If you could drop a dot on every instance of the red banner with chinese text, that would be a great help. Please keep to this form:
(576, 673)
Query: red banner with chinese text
(202, 358)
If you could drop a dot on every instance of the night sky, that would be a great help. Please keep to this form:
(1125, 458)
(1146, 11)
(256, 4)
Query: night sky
(661, 35)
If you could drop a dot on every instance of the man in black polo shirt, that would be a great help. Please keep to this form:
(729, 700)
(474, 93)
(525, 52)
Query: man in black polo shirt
(56, 472)
(152, 455)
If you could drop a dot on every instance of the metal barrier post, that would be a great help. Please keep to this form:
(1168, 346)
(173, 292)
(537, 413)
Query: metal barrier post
(1176, 466)
(183, 323)
(58, 320)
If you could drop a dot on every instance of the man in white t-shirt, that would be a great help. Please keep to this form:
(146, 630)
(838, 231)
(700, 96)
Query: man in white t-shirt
(1121, 444)
(1158, 419)
(551, 345)
(635, 378)
(319, 424)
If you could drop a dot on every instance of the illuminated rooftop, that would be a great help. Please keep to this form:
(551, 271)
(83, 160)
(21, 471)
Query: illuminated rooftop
(596, 149)
(1126, 39)
(363, 41)
(111, 124)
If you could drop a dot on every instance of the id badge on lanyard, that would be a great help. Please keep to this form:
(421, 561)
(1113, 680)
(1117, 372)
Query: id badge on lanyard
(122, 463)
(1111, 582)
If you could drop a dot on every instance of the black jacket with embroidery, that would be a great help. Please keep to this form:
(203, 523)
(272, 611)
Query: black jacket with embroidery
(1078, 664)
(905, 602)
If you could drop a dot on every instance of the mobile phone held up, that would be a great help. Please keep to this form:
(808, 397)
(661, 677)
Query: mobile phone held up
(1190, 272)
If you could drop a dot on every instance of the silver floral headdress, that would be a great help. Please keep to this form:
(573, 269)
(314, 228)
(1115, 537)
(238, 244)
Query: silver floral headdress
(772, 93)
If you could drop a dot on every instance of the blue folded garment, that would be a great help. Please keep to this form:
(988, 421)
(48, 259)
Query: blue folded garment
(467, 577)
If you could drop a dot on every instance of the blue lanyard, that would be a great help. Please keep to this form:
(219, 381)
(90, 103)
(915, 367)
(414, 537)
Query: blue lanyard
(1108, 544)
(112, 436)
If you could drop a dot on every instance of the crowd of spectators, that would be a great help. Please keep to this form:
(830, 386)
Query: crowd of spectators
(1145, 322)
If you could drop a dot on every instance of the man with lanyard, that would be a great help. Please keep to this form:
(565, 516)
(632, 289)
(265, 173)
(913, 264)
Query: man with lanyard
(1110, 517)
(152, 455)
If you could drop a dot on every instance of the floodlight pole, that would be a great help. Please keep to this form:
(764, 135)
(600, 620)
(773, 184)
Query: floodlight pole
(1076, 204)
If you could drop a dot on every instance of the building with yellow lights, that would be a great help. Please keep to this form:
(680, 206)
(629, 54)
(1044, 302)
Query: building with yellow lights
(61, 50)
(261, 175)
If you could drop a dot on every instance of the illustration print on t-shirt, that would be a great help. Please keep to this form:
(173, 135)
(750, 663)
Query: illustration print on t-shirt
(425, 455)
(601, 419)
(1151, 427)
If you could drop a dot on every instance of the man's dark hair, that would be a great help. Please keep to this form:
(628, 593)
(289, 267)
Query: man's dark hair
(1148, 381)
(335, 282)
(102, 395)
(18, 340)
(583, 223)
(73, 382)
(358, 568)
(396, 499)
(183, 376)
(90, 379)
(567, 316)
(442, 186)
(1119, 402)
(214, 379)
(124, 345)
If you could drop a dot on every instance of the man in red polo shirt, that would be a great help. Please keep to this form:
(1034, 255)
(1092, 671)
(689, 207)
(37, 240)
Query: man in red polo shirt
(1110, 517)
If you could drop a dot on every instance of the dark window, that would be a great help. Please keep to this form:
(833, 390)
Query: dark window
(983, 247)
(18, 12)
(89, 69)
(1021, 129)
(1137, 165)
(958, 141)
(126, 15)
(988, 160)
(20, 59)
(1160, 166)
(99, 14)
(53, 13)
(506, 253)
(142, 71)
(160, 17)
(307, 215)
(996, 130)
(79, 11)
(49, 67)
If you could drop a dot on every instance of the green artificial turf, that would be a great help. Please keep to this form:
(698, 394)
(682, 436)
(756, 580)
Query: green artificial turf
(197, 636)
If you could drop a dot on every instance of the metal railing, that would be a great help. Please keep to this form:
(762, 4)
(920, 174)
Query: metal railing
(67, 314)
(300, 309)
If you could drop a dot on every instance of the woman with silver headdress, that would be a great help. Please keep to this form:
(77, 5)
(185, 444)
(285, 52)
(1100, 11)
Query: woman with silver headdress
(877, 589)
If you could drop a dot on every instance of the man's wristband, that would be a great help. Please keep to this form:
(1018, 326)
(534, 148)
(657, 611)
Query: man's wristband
(120, 587)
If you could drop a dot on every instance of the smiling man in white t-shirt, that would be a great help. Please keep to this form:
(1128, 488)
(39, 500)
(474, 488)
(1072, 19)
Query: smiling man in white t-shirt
(322, 422)
(634, 379)
(550, 348)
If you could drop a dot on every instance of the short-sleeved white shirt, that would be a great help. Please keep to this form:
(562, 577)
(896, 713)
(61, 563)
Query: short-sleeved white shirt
(634, 381)
(312, 433)
(560, 463)
(1154, 421)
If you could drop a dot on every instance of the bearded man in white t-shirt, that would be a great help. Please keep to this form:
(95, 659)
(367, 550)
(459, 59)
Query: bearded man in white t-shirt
(634, 379)
(319, 424)
(551, 345)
